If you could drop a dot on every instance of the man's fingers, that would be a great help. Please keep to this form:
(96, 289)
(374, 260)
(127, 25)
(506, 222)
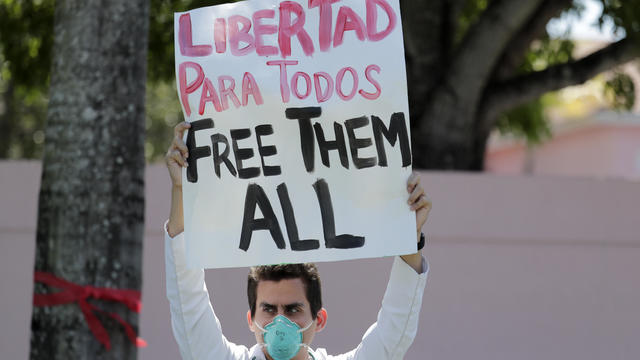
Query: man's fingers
(415, 194)
(413, 180)
(176, 156)
(423, 202)
(179, 129)
(180, 145)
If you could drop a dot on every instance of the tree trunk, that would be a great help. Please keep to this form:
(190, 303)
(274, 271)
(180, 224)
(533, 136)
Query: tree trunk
(425, 36)
(91, 205)
(446, 146)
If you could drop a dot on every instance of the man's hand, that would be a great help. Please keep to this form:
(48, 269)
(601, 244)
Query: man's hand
(418, 201)
(177, 154)
(421, 204)
(176, 159)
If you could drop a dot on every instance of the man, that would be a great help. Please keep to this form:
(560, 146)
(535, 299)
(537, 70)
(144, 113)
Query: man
(285, 305)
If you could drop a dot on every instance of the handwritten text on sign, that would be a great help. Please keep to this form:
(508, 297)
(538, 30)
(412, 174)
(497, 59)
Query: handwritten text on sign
(299, 147)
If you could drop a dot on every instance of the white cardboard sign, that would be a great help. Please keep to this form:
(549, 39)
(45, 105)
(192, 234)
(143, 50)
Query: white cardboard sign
(300, 139)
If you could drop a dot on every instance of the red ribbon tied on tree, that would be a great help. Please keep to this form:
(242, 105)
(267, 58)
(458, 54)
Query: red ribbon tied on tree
(75, 293)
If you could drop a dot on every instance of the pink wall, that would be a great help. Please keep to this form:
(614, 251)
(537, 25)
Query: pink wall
(521, 268)
(603, 149)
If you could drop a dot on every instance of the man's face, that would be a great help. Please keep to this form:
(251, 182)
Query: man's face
(285, 297)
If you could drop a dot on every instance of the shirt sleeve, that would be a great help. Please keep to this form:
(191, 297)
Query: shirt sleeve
(397, 324)
(195, 325)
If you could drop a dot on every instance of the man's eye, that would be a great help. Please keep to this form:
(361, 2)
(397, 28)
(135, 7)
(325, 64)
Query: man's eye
(294, 310)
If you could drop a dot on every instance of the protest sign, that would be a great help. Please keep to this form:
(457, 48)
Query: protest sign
(299, 148)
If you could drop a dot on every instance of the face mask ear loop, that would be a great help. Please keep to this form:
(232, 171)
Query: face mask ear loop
(301, 331)
(263, 332)
(260, 327)
(306, 327)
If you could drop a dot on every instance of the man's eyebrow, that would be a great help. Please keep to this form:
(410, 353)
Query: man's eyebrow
(294, 306)
(266, 305)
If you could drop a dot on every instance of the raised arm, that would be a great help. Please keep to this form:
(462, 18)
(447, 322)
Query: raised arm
(421, 205)
(176, 159)
(195, 325)
(397, 323)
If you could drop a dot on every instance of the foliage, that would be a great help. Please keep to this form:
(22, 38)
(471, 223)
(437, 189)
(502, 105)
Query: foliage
(626, 19)
(26, 41)
(25, 61)
(529, 121)
(163, 113)
(547, 52)
(620, 91)
(28, 138)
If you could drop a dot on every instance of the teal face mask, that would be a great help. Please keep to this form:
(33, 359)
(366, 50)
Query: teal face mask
(282, 337)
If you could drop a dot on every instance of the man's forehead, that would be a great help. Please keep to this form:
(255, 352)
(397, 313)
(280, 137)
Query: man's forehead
(281, 293)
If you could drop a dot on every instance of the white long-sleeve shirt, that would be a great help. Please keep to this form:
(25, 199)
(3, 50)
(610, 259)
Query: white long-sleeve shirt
(199, 336)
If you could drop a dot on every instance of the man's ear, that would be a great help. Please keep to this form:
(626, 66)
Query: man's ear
(321, 319)
(250, 321)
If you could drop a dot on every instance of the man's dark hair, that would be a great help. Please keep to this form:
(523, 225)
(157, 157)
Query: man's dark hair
(308, 273)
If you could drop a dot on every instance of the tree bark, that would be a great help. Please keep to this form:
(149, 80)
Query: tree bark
(91, 205)
(426, 42)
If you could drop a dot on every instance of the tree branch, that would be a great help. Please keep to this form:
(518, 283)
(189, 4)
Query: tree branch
(501, 96)
(470, 71)
(485, 42)
(532, 30)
